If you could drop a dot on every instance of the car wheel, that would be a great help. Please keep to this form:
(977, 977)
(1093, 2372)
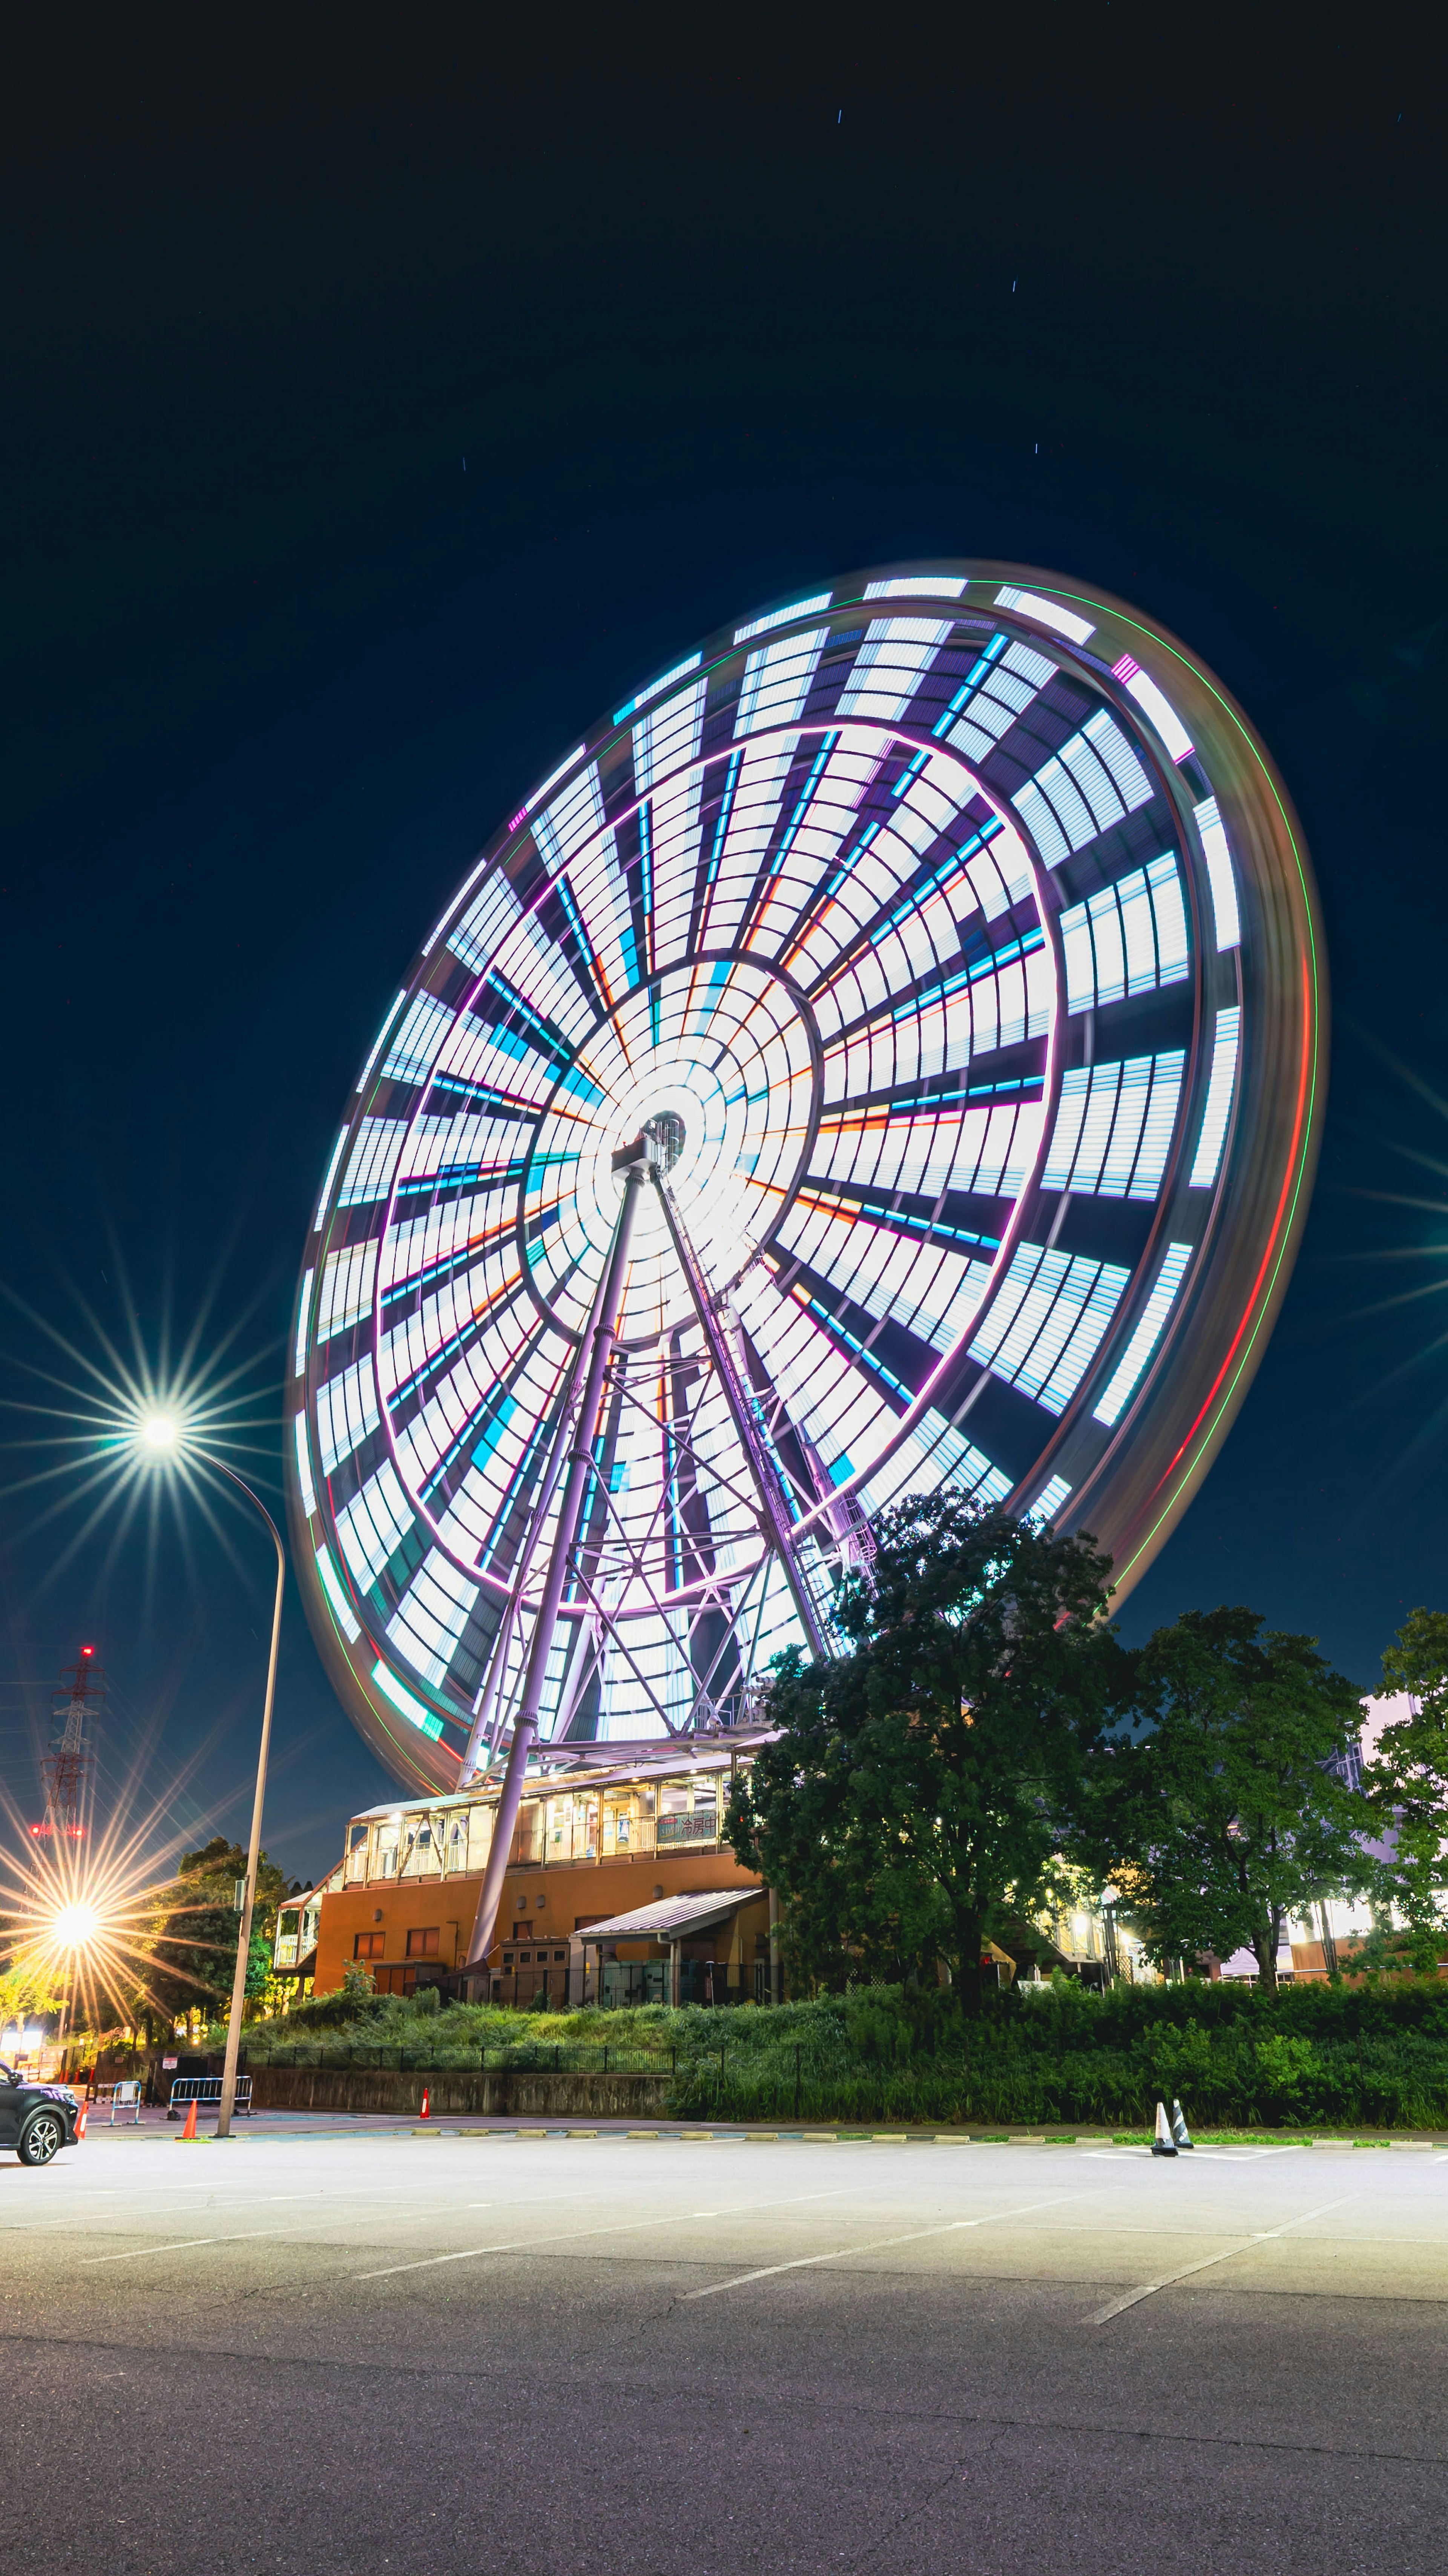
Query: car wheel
(42, 2139)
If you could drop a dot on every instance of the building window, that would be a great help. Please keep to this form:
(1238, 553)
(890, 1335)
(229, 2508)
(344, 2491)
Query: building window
(369, 1945)
(423, 1945)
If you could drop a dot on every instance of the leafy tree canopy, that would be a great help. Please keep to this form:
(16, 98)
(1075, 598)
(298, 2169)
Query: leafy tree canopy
(919, 1786)
(1226, 1820)
(191, 1940)
(1408, 1775)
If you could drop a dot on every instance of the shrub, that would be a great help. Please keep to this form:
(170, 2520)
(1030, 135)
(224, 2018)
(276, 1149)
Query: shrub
(1055, 2054)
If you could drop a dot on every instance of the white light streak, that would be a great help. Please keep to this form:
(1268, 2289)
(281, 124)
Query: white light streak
(1122, 1384)
(1046, 612)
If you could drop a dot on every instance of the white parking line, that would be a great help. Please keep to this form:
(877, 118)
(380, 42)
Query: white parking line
(1260, 2236)
(243, 2236)
(802, 2262)
(388, 2213)
(572, 2235)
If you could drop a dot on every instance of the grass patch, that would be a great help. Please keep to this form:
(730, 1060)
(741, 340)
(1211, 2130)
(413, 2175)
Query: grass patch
(1247, 2067)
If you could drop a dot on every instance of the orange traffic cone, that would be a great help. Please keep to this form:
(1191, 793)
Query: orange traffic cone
(190, 2129)
(426, 2113)
(81, 2118)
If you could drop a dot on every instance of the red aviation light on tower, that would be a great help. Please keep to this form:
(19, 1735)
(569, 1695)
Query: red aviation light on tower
(79, 1697)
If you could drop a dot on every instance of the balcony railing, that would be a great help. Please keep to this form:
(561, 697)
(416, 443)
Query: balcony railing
(624, 1838)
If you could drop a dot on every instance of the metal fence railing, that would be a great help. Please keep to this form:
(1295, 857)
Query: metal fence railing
(205, 2092)
(525, 2057)
(728, 2081)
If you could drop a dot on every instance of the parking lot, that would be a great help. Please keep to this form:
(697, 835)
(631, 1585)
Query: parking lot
(343, 2346)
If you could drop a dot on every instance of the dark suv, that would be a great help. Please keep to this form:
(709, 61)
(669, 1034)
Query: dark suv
(37, 2120)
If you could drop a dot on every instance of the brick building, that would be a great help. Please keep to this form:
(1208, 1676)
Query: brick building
(605, 1832)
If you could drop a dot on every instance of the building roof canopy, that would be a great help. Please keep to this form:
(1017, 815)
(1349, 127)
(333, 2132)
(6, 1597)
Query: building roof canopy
(674, 1918)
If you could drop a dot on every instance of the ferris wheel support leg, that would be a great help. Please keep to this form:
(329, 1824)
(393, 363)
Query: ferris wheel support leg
(489, 1719)
(770, 1507)
(593, 1354)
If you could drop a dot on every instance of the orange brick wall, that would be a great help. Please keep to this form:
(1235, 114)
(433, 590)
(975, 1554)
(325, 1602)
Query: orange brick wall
(552, 1900)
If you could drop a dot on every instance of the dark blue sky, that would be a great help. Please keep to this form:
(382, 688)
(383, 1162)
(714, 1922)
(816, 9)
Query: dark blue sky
(711, 308)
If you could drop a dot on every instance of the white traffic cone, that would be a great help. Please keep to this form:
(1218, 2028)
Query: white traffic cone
(1180, 2132)
(1163, 2144)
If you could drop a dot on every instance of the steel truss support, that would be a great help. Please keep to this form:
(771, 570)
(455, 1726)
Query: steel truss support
(632, 1161)
(492, 1699)
(773, 1500)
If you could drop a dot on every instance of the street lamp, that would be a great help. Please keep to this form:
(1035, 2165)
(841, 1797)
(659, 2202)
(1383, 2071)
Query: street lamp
(74, 1928)
(163, 1437)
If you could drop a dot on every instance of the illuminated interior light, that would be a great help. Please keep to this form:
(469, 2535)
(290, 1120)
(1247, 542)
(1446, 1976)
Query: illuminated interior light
(1128, 938)
(1220, 874)
(668, 737)
(346, 1291)
(890, 665)
(371, 1525)
(1046, 612)
(379, 1042)
(777, 681)
(373, 1161)
(1122, 1384)
(346, 1413)
(337, 1152)
(573, 818)
(1047, 1320)
(304, 1468)
(419, 1040)
(304, 1317)
(665, 680)
(551, 780)
(1158, 711)
(923, 586)
(331, 1583)
(430, 1618)
(402, 1700)
(782, 616)
(1207, 1161)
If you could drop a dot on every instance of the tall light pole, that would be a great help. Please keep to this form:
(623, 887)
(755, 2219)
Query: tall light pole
(160, 1433)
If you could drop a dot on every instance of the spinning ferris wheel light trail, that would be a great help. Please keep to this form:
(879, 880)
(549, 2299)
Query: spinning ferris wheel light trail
(884, 1054)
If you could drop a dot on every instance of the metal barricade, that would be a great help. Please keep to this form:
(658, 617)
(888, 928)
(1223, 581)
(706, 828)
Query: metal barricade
(122, 2096)
(205, 2092)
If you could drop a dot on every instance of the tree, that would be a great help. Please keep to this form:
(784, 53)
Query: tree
(1407, 1777)
(919, 1785)
(1227, 1820)
(28, 1985)
(191, 1942)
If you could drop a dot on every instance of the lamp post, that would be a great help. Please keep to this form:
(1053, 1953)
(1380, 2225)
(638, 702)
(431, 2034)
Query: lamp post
(160, 1434)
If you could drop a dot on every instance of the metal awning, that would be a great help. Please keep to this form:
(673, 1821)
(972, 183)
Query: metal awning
(673, 1918)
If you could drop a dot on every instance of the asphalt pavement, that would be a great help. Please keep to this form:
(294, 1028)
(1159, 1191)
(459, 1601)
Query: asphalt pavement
(350, 2346)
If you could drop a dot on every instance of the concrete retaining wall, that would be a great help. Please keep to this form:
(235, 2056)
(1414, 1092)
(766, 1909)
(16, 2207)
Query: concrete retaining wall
(554, 2097)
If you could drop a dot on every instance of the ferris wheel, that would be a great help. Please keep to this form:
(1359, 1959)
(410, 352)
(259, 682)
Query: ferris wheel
(882, 1055)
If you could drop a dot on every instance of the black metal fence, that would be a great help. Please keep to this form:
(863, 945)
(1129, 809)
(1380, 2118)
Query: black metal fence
(523, 2057)
(724, 2081)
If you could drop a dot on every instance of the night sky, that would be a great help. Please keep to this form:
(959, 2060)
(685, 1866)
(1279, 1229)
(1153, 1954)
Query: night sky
(388, 392)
